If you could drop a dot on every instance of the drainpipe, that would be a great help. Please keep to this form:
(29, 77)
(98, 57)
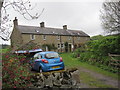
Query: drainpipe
(60, 43)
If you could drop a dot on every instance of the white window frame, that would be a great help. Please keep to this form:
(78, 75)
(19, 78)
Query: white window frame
(62, 45)
(32, 37)
(58, 45)
(44, 37)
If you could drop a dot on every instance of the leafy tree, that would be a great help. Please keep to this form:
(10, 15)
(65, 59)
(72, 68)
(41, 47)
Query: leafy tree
(23, 7)
(110, 16)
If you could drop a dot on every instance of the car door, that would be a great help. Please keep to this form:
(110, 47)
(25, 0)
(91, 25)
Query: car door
(37, 59)
(33, 61)
(37, 62)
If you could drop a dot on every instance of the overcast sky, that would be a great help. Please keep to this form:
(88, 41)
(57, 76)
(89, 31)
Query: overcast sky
(77, 15)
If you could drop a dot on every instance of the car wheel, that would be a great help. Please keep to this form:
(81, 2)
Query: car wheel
(40, 69)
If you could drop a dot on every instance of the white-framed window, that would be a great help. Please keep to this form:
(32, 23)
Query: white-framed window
(32, 37)
(62, 45)
(44, 37)
(58, 45)
(58, 37)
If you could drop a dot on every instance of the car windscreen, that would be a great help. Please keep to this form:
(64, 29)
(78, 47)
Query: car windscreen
(51, 55)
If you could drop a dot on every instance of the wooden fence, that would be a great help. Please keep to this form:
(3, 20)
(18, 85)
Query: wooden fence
(113, 61)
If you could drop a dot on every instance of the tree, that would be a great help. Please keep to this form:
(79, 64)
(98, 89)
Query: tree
(23, 7)
(110, 16)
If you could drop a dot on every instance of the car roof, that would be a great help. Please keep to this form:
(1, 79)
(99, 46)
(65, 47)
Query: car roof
(47, 52)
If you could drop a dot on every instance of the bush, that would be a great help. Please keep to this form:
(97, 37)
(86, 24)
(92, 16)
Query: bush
(96, 51)
(15, 74)
(49, 46)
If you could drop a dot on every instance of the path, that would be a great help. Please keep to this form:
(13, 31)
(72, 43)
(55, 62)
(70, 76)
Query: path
(102, 78)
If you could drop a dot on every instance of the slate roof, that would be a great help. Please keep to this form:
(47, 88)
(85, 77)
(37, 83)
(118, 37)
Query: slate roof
(50, 31)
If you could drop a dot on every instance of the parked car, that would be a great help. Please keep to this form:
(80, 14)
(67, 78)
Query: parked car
(46, 61)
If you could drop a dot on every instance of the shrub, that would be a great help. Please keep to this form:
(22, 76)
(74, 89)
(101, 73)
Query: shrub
(49, 46)
(96, 51)
(14, 73)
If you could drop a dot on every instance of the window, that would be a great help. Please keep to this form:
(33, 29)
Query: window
(37, 56)
(32, 37)
(44, 37)
(62, 45)
(58, 46)
(58, 37)
(51, 55)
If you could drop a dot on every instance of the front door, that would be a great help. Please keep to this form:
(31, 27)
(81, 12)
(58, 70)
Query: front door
(70, 47)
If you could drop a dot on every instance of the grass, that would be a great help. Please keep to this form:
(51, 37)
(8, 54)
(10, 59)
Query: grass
(3, 50)
(92, 82)
(75, 62)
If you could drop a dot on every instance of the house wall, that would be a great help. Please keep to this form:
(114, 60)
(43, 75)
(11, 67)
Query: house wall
(53, 39)
(16, 39)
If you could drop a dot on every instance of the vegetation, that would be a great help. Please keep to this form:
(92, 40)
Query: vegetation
(28, 46)
(92, 82)
(96, 52)
(23, 7)
(3, 46)
(15, 72)
(49, 46)
(17, 68)
(72, 62)
(110, 16)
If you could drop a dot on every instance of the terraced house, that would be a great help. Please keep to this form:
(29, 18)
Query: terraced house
(63, 39)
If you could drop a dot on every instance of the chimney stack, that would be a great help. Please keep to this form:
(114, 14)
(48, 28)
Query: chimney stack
(65, 27)
(42, 24)
(15, 21)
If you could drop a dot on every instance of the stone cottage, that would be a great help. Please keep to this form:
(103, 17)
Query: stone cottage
(63, 39)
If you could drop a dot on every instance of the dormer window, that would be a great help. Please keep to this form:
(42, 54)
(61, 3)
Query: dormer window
(32, 37)
(37, 31)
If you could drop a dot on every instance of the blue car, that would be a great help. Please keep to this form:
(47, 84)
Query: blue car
(47, 61)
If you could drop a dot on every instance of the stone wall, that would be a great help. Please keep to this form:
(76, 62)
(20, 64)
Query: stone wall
(66, 79)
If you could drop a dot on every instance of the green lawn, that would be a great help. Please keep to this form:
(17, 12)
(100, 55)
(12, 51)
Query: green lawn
(75, 62)
(4, 50)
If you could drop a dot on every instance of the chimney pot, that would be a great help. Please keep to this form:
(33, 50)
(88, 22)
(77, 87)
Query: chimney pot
(15, 21)
(42, 24)
(65, 27)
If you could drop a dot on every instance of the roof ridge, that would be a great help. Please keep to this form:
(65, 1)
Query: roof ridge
(49, 30)
(48, 27)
